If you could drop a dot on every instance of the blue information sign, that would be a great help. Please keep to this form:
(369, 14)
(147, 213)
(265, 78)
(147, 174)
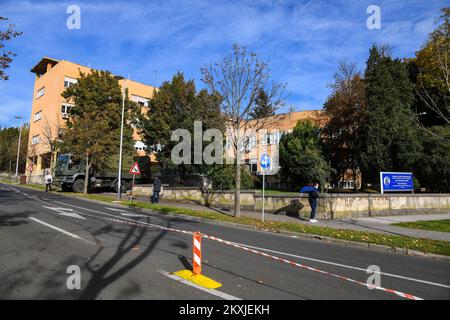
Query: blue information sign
(396, 181)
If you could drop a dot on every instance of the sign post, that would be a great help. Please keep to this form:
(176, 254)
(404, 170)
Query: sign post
(265, 163)
(135, 170)
(396, 182)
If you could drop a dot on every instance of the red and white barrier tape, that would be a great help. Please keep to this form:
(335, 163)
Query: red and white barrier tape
(138, 223)
(401, 294)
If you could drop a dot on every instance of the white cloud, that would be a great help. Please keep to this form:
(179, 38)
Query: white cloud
(304, 40)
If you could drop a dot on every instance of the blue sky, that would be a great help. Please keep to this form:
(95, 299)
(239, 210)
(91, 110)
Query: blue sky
(303, 40)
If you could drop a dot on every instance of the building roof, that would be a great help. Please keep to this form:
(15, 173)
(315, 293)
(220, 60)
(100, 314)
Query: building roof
(41, 67)
(289, 120)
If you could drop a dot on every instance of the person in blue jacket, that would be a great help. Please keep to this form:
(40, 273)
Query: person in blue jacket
(313, 194)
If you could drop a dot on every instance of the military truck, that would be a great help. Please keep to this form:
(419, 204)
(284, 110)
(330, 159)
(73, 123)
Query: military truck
(70, 173)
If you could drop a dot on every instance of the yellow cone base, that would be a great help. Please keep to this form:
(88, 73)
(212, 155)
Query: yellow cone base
(199, 279)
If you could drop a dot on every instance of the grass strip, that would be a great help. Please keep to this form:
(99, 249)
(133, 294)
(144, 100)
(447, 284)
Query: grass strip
(433, 225)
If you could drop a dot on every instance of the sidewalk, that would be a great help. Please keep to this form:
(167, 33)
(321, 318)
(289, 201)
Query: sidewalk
(376, 225)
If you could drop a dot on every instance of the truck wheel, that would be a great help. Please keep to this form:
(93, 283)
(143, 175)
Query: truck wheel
(78, 186)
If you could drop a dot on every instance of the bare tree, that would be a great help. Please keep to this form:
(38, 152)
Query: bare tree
(32, 153)
(434, 73)
(51, 139)
(238, 79)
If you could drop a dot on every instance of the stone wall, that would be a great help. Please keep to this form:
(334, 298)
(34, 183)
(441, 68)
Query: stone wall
(331, 206)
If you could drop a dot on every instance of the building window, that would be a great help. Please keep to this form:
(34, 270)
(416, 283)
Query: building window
(251, 144)
(253, 165)
(40, 92)
(38, 116)
(141, 101)
(69, 82)
(275, 137)
(65, 110)
(140, 146)
(35, 140)
(347, 184)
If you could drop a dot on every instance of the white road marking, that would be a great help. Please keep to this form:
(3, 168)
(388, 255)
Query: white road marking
(214, 292)
(106, 214)
(273, 251)
(126, 214)
(65, 212)
(133, 215)
(344, 266)
(60, 230)
(115, 209)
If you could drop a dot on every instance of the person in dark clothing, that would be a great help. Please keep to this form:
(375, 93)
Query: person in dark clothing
(156, 190)
(313, 194)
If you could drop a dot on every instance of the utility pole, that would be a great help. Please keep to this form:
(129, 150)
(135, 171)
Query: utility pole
(18, 146)
(119, 181)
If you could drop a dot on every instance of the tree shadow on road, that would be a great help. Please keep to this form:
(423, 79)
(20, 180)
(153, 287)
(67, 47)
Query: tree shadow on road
(13, 220)
(104, 275)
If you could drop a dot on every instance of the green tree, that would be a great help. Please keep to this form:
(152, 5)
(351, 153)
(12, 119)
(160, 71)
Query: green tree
(344, 108)
(263, 106)
(7, 56)
(223, 177)
(301, 159)
(176, 105)
(433, 170)
(93, 128)
(389, 137)
(9, 138)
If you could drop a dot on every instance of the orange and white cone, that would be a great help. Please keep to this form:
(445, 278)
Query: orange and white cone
(195, 276)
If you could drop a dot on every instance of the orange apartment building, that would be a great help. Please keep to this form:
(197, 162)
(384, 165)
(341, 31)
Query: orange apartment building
(50, 110)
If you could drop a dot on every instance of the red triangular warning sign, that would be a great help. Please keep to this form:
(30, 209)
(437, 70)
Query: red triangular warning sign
(135, 169)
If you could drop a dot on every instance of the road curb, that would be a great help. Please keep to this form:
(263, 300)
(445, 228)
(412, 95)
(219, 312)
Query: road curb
(357, 244)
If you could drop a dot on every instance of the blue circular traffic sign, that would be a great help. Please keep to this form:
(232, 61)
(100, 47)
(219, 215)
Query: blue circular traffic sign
(265, 161)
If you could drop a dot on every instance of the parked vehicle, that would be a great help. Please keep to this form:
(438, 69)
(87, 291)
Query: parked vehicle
(70, 173)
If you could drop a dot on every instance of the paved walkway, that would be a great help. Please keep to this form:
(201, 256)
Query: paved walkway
(376, 225)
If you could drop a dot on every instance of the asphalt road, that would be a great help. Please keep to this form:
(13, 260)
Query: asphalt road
(42, 234)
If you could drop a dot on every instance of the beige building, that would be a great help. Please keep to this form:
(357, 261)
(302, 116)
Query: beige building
(266, 141)
(267, 138)
(50, 110)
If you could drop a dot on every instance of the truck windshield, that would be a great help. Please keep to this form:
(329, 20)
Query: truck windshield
(63, 160)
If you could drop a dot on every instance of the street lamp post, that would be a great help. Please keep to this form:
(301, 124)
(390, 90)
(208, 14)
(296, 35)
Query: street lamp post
(119, 182)
(18, 146)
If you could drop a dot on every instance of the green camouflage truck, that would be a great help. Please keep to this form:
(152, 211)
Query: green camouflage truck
(70, 173)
